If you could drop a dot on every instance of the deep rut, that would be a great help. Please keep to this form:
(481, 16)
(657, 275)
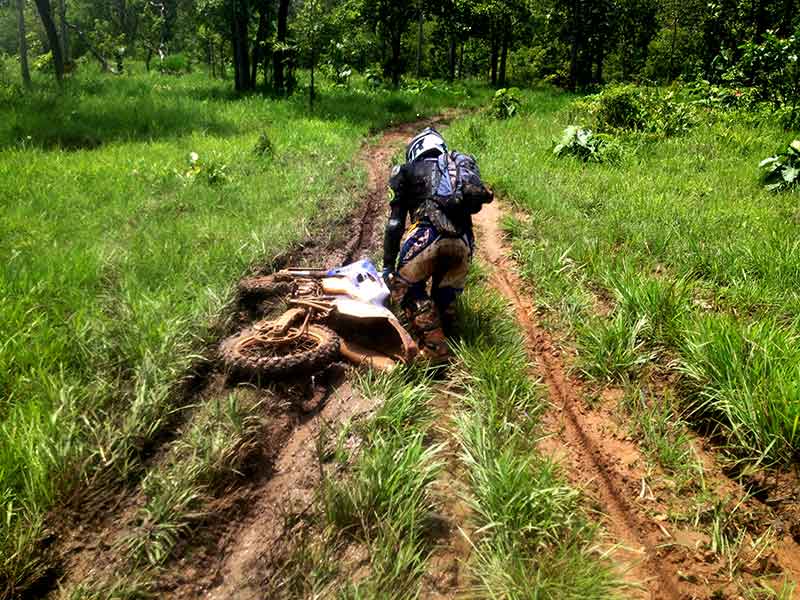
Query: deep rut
(250, 550)
(592, 456)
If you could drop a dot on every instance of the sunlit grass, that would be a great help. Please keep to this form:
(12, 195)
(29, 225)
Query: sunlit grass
(119, 254)
(531, 536)
(699, 264)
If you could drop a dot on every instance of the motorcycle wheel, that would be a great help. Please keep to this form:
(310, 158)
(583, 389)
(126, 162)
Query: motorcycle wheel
(244, 355)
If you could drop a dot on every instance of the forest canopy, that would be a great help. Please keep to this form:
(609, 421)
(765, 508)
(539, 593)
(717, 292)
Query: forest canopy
(260, 44)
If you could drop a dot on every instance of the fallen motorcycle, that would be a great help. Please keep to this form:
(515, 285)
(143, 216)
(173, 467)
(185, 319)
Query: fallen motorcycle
(329, 313)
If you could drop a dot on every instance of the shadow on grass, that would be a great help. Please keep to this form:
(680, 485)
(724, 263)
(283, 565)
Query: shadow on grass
(68, 124)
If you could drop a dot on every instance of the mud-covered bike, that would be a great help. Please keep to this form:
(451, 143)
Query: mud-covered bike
(328, 314)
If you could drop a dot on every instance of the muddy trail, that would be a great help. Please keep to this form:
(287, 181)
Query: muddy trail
(250, 527)
(251, 530)
(658, 559)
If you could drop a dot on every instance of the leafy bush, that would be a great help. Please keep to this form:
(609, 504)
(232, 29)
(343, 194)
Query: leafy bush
(264, 146)
(789, 117)
(43, 62)
(782, 171)
(771, 67)
(175, 64)
(587, 146)
(505, 103)
(9, 89)
(620, 107)
(631, 108)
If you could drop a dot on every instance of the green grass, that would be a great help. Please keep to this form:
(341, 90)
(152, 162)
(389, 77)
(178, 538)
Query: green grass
(119, 254)
(383, 499)
(698, 263)
(531, 538)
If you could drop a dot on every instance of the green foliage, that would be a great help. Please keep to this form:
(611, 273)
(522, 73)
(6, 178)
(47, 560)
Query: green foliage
(530, 532)
(613, 350)
(771, 67)
(175, 64)
(689, 261)
(10, 89)
(505, 103)
(43, 62)
(622, 108)
(587, 146)
(384, 499)
(782, 171)
(264, 146)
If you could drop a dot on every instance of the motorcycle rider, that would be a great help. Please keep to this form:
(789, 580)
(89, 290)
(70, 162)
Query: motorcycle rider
(437, 191)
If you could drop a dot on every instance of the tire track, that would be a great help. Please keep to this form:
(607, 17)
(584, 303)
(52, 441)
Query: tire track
(590, 454)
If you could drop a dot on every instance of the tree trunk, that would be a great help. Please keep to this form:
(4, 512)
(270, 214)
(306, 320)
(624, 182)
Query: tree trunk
(573, 46)
(396, 48)
(760, 24)
(451, 71)
(672, 48)
(62, 16)
(240, 18)
(493, 61)
(785, 29)
(23, 45)
(258, 47)
(461, 61)
(419, 42)
(598, 72)
(279, 54)
(223, 72)
(503, 61)
(46, 14)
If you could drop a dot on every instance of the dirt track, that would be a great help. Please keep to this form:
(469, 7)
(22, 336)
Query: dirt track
(251, 548)
(238, 549)
(664, 561)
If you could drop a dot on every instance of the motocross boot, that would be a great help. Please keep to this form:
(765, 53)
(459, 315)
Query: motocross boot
(424, 320)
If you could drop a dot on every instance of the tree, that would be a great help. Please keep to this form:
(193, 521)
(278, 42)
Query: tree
(392, 19)
(240, 42)
(313, 26)
(46, 14)
(281, 54)
(23, 44)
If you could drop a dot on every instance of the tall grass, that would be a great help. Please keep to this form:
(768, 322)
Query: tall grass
(119, 251)
(698, 263)
(384, 500)
(532, 538)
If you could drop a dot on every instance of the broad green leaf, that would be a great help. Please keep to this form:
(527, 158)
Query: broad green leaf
(768, 161)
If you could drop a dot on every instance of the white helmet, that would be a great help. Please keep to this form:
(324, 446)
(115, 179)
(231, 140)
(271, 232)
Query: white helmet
(426, 140)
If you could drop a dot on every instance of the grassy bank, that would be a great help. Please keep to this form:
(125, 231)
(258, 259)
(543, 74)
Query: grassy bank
(672, 260)
(130, 206)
